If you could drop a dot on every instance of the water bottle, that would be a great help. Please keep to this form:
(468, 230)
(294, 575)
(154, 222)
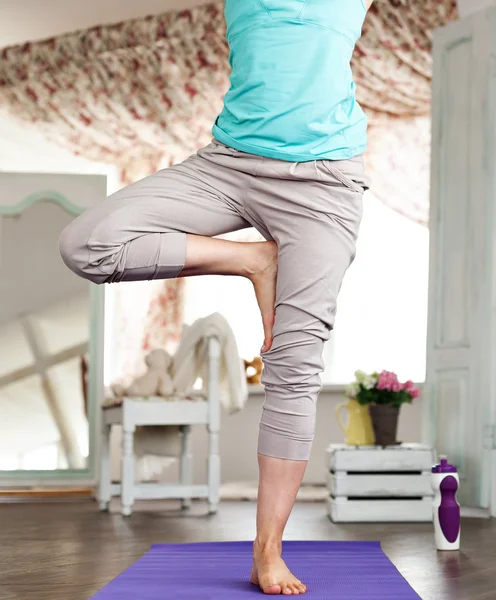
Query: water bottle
(446, 510)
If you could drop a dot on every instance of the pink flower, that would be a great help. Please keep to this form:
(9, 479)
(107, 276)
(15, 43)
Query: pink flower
(412, 389)
(388, 381)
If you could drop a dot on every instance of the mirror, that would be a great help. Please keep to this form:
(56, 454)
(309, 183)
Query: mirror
(44, 335)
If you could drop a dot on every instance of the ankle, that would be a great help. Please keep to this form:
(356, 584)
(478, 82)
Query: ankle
(259, 256)
(251, 260)
(267, 545)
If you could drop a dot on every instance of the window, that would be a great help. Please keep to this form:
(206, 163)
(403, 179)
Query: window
(382, 311)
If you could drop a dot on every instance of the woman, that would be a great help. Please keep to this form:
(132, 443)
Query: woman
(286, 159)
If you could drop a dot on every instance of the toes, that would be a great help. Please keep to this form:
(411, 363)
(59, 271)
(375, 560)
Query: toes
(267, 343)
(268, 325)
(285, 590)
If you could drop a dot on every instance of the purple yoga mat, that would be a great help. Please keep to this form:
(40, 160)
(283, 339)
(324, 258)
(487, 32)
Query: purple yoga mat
(219, 571)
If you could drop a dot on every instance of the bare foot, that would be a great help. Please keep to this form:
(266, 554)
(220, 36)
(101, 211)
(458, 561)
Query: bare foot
(271, 574)
(263, 275)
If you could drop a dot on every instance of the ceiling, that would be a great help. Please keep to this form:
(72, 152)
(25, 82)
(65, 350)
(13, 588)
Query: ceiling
(29, 20)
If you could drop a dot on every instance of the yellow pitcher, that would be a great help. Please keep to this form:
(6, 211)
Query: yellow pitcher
(358, 430)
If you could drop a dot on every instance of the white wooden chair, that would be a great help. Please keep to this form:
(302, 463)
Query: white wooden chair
(135, 412)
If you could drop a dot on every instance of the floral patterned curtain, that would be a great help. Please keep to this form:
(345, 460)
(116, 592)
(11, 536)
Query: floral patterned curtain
(138, 94)
(143, 94)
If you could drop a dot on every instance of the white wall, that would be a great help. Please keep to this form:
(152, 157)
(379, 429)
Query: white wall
(238, 440)
(467, 7)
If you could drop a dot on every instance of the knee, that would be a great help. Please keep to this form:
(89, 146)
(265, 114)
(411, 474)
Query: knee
(74, 250)
(70, 248)
(291, 377)
(294, 362)
(295, 358)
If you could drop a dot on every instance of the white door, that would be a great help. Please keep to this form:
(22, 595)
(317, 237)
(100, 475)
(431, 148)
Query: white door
(461, 359)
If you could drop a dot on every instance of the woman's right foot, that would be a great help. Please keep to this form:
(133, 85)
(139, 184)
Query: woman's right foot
(263, 274)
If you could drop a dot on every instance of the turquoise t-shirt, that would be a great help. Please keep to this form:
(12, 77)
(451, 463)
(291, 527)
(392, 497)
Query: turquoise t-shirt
(292, 95)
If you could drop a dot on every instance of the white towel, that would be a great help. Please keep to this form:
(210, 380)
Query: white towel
(191, 361)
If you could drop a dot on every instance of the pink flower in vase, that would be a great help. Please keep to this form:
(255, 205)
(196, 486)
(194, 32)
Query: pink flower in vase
(396, 385)
(412, 389)
(388, 381)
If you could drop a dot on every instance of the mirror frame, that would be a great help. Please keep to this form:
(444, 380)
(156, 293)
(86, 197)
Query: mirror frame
(87, 476)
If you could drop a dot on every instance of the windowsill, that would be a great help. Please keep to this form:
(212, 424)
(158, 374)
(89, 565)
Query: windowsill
(328, 388)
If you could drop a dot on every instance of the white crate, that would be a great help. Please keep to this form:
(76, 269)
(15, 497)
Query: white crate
(379, 485)
(374, 484)
(342, 510)
(404, 457)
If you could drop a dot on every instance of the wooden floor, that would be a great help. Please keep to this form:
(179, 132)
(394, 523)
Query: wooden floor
(68, 551)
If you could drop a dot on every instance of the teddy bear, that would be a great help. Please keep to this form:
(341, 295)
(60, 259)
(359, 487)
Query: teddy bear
(253, 370)
(157, 380)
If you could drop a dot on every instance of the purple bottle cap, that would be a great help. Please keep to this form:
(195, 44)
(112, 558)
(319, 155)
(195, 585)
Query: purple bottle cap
(444, 466)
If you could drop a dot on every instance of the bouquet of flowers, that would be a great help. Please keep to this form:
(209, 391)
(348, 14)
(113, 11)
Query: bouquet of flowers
(382, 388)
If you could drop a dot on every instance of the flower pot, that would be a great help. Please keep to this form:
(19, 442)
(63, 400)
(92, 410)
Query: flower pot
(385, 423)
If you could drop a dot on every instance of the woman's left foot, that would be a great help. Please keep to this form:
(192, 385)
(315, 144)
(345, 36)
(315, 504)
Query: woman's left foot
(264, 276)
(270, 573)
